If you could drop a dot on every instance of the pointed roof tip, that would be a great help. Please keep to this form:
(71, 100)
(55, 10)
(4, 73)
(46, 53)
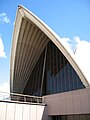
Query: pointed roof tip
(19, 6)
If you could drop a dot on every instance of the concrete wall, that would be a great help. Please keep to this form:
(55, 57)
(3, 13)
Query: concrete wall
(14, 111)
(74, 102)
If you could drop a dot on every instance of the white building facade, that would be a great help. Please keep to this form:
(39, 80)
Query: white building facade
(41, 66)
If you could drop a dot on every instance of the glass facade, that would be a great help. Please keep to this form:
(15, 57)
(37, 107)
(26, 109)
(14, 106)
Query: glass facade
(70, 117)
(59, 75)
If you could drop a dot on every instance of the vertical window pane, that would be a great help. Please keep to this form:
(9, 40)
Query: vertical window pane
(59, 74)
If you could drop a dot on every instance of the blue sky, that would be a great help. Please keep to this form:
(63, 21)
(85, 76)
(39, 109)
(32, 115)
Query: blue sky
(68, 18)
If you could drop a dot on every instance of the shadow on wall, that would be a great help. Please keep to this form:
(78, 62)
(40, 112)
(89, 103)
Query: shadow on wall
(45, 113)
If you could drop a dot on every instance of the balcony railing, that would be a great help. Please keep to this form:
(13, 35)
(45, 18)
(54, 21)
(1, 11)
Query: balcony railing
(13, 97)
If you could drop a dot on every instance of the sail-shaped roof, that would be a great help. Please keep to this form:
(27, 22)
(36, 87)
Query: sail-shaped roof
(30, 36)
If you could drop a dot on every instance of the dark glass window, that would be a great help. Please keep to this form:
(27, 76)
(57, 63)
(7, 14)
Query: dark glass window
(59, 75)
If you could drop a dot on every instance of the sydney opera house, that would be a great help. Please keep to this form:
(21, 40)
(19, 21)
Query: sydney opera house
(42, 66)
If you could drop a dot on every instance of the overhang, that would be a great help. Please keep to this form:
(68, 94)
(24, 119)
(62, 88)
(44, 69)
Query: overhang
(30, 37)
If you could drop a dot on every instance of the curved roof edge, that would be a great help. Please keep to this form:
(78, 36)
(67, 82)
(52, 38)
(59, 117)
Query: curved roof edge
(24, 13)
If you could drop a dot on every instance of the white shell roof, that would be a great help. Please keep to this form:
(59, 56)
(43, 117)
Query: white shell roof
(30, 37)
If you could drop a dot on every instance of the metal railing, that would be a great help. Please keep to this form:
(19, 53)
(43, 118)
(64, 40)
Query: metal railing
(13, 97)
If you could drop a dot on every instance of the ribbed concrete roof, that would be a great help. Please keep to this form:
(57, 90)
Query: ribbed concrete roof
(30, 37)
